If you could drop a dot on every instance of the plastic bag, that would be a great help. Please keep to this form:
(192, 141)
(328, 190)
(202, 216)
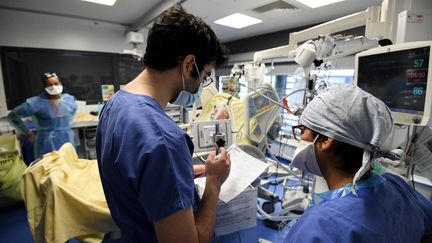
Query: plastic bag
(11, 170)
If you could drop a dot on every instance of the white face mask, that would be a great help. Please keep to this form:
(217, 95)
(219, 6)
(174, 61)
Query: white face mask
(305, 158)
(54, 89)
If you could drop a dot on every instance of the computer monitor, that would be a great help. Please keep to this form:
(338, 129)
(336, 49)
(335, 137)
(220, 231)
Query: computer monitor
(400, 76)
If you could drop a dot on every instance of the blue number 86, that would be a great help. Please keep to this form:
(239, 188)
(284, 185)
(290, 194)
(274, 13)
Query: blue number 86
(418, 91)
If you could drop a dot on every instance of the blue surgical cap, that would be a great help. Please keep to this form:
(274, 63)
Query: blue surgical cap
(350, 115)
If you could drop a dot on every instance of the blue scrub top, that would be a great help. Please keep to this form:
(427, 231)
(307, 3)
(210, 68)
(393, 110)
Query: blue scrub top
(53, 123)
(388, 210)
(145, 163)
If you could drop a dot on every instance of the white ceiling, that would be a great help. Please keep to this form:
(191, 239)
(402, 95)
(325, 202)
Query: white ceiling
(124, 12)
(127, 12)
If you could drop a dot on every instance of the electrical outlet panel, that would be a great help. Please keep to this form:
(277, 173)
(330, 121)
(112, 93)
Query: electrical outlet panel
(203, 134)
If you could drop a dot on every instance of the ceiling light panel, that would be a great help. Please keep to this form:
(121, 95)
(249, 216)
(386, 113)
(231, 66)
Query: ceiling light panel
(103, 2)
(317, 3)
(238, 21)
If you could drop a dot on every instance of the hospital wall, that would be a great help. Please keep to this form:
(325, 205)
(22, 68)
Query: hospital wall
(34, 30)
(24, 29)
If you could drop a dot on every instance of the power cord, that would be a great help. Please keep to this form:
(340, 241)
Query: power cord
(200, 158)
(232, 95)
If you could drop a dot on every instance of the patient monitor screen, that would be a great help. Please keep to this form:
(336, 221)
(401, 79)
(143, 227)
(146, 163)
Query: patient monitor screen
(397, 78)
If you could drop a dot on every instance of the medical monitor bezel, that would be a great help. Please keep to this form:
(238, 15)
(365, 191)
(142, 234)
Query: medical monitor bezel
(401, 117)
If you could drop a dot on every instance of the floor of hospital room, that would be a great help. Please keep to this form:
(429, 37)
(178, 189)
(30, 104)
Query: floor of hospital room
(14, 227)
(13, 224)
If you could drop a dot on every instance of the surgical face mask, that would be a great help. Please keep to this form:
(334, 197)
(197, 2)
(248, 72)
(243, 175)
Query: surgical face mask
(54, 89)
(186, 98)
(305, 158)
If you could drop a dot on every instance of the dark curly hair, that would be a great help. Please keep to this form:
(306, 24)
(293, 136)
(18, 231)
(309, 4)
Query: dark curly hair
(176, 34)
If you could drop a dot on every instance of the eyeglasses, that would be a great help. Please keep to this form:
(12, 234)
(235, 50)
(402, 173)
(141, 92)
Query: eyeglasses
(207, 81)
(297, 131)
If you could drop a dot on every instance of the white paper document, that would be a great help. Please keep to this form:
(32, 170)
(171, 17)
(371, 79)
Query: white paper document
(244, 170)
(239, 214)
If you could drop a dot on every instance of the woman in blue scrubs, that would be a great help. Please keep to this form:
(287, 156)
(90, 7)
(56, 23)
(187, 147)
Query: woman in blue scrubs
(51, 113)
(338, 142)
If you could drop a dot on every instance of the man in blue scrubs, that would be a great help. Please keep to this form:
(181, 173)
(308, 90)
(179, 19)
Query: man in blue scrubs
(145, 159)
(342, 130)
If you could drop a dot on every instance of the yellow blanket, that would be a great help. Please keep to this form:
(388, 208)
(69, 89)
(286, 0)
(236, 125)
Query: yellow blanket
(64, 197)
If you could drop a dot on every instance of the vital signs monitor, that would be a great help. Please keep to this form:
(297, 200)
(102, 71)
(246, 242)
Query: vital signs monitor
(399, 76)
